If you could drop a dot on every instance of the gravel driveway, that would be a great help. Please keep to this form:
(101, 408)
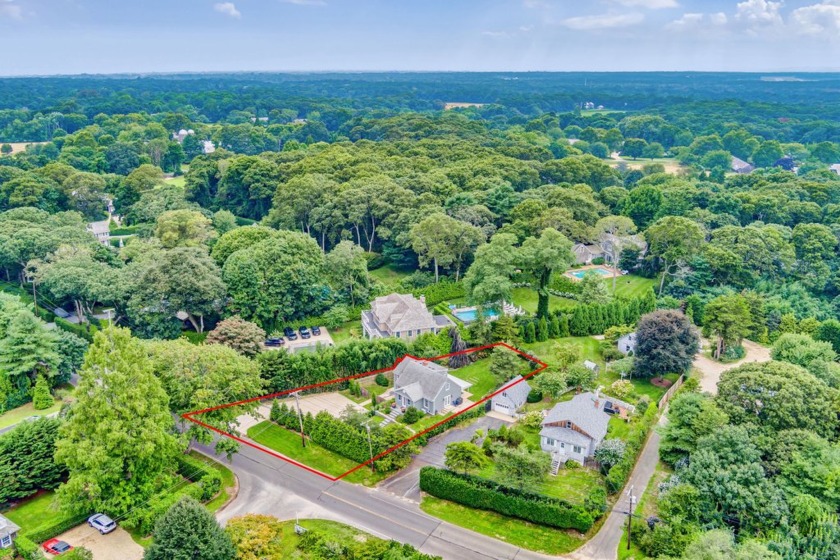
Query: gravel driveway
(712, 370)
(117, 545)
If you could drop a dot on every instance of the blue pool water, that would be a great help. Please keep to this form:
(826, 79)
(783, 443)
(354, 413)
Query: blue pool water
(581, 273)
(470, 315)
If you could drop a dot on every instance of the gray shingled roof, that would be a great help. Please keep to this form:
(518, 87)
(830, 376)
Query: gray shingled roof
(402, 312)
(514, 393)
(582, 412)
(565, 435)
(7, 527)
(419, 378)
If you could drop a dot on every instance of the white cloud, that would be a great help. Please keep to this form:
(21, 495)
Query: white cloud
(9, 9)
(605, 21)
(227, 8)
(818, 19)
(718, 18)
(649, 4)
(698, 22)
(495, 34)
(758, 13)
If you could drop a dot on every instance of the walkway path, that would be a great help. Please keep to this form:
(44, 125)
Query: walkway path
(711, 370)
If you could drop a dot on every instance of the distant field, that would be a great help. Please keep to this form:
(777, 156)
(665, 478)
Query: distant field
(460, 105)
(671, 165)
(20, 146)
(177, 181)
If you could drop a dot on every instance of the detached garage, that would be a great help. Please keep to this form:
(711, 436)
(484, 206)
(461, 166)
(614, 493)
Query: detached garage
(512, 397)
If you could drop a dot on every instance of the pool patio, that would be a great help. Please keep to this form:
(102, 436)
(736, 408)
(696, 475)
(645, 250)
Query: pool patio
(605, 270)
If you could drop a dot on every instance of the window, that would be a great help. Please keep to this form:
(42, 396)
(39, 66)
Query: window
(568, 423)
(562, 445)
(6, 542)
(446, 387)
(550, 442)
(577, 449)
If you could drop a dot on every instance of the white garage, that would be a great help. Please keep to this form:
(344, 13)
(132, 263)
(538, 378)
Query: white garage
(512, 397)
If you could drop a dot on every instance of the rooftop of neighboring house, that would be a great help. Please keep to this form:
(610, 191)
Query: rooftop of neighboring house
(516, 390)
(402, 312)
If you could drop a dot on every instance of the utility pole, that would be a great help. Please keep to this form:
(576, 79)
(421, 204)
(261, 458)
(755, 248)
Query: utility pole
(632, 499)
(300, 417)
(370, 446)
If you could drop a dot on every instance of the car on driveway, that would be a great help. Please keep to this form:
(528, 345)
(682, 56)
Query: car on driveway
(55, 546)
(304, 332)
(290, 333)
(316, 331)
(102, 523)
(274, 341)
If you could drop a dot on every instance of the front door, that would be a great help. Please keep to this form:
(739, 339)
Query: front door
(447, 400)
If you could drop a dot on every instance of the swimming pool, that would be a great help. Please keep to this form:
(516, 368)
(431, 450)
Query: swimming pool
(469, 315)
(579, 274)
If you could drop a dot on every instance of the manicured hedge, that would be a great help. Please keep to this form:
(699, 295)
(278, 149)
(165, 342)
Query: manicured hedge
(47, 533)
(481, 493)
(78, 330)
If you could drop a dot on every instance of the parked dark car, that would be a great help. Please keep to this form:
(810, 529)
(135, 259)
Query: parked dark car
(316, 331)
(102, 523)
(55, 546)
(290, 333)
(304, 332)
(274, 341)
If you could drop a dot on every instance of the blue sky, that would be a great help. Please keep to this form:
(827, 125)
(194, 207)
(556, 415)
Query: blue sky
(106, 36)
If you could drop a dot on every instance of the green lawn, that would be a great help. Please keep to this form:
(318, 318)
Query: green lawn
(590, 350)
(313, 455)
(527, 299)
(478, 373)
(617, 428)
(388, 276)
(351, 330)
(37, 512)
(631, 285)
(177, 181)
(22, 412)
(508, 529)
(331, 531)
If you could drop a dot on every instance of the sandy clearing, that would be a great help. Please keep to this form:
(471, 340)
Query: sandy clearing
(116, 545)
(711, 370)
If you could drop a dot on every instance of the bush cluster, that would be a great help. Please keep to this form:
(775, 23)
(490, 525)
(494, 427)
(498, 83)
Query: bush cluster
(481, 493)
(440, 292)
(639, 430)
(46, 533)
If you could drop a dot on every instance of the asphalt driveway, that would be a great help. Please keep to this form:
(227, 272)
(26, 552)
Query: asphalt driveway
(406, 483)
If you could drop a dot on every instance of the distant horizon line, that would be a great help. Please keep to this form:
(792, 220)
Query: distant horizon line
(315, 72)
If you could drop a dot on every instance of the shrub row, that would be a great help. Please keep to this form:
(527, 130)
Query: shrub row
(481, 493)
(440, 292)
(78, 330)
(636, 438)
(451, 423)
(51, 531)
(327, 431)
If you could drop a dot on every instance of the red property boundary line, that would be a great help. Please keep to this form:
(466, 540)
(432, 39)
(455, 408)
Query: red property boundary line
(191, 415)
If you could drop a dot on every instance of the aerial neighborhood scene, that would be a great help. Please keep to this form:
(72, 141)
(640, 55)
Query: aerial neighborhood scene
(378, 280)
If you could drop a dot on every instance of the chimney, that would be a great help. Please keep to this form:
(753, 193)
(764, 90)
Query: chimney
(597, 397)
(597, 404)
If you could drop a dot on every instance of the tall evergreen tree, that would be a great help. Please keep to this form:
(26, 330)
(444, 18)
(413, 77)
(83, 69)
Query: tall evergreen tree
(189, 532)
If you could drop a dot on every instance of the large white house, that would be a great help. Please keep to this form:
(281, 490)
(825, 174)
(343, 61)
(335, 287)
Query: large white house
(426, 386)
(401, 316)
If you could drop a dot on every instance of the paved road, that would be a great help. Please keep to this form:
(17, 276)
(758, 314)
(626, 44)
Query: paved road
(274, 487)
